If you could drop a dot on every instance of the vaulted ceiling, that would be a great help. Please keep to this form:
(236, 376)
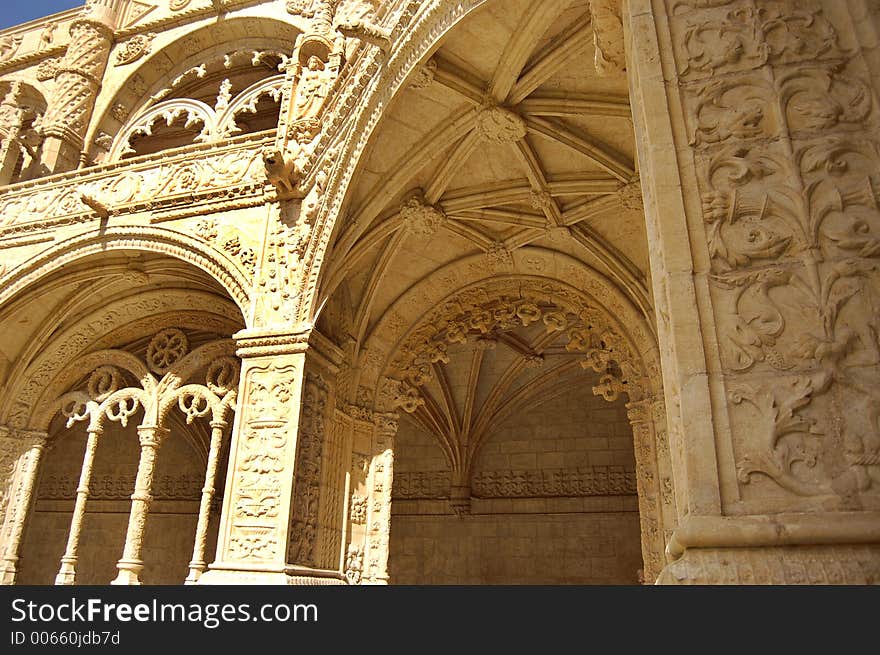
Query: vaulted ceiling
(505, 138)
(509, 131)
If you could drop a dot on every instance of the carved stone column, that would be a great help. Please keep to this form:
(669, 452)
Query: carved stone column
(131, 564)
(757, 130)
(20, 453)
(380, 479)
(198, 564)
(269, 524)
(11, 118)
(67, 572)
(77, 82)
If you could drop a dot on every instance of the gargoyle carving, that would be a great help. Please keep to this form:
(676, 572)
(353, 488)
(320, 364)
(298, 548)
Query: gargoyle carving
(282, 171)
(367, 32)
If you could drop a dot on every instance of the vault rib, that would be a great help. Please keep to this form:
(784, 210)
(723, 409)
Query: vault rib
(454, 78)
(348, 260)
(538, 178)
(450, 408)
(570, 43)
(362, 318)
(477, 237)
(535, 22)
(502, 217)
(449, 167)
(618, 265)
(575, 104)
(611, 160)
(470, 397)
(417, 157)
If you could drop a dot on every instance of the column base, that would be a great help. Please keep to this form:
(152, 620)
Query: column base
(8, 572)
(217, 574)
(67, 573)
(784, 565)
(129, 573)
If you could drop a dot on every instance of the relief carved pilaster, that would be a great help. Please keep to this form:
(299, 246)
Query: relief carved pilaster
(777, 153)
(380, 479)
(20, 453)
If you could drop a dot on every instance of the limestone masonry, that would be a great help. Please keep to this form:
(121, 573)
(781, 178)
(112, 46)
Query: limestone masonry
(441, 292)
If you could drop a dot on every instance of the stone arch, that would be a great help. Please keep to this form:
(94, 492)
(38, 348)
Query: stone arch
(188, 57)
(105, 311)
(373, 90)
(158, 240)
(404, 205)
(622, 351)
(399, 321)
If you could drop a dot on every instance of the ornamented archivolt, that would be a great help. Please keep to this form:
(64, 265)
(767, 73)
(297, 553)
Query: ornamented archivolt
(496, 308)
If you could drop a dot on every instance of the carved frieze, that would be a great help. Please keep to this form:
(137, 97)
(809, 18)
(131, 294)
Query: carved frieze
(153, 183)
(545, 483)
(118, 487)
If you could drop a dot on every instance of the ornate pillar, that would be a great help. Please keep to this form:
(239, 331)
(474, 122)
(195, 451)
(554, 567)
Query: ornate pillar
(379, 481)
(757, 130)
(67, 572)
(11, 119)
(77, 82)
(198, 564)
(20, 453)
(641, 419)
(131, 564)
(269, 525)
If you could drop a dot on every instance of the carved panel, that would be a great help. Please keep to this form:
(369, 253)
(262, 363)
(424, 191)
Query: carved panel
(307, 473)
(787, 157)
(155, 182)
(261, 463)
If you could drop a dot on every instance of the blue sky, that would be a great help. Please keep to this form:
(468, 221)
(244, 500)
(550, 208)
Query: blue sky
(13, 12)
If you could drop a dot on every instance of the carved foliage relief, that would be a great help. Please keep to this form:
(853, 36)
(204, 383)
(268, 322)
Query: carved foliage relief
(307, 485)
(262, 463)
(783, 128)
(158, 182)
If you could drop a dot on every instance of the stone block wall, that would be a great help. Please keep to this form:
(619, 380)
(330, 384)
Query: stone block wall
(553, 502)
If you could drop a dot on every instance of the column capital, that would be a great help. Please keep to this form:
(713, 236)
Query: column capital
(271, 342)
(151, 435)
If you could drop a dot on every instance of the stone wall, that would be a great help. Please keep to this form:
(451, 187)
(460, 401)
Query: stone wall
(553, 502)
